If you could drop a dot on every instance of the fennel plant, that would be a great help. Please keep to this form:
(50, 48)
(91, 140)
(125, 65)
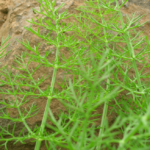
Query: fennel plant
(103, 62)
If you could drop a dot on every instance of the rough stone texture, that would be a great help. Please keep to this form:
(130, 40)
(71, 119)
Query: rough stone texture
(13, 16)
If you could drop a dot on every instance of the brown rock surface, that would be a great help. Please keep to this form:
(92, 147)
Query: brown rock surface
(13, 17)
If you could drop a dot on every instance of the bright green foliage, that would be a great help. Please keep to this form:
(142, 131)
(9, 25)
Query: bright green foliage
(2, 50)
(82, 95)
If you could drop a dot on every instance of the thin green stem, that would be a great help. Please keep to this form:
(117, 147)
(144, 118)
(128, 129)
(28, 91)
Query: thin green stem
(130, 47)
(38, 142)
(107, 88)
